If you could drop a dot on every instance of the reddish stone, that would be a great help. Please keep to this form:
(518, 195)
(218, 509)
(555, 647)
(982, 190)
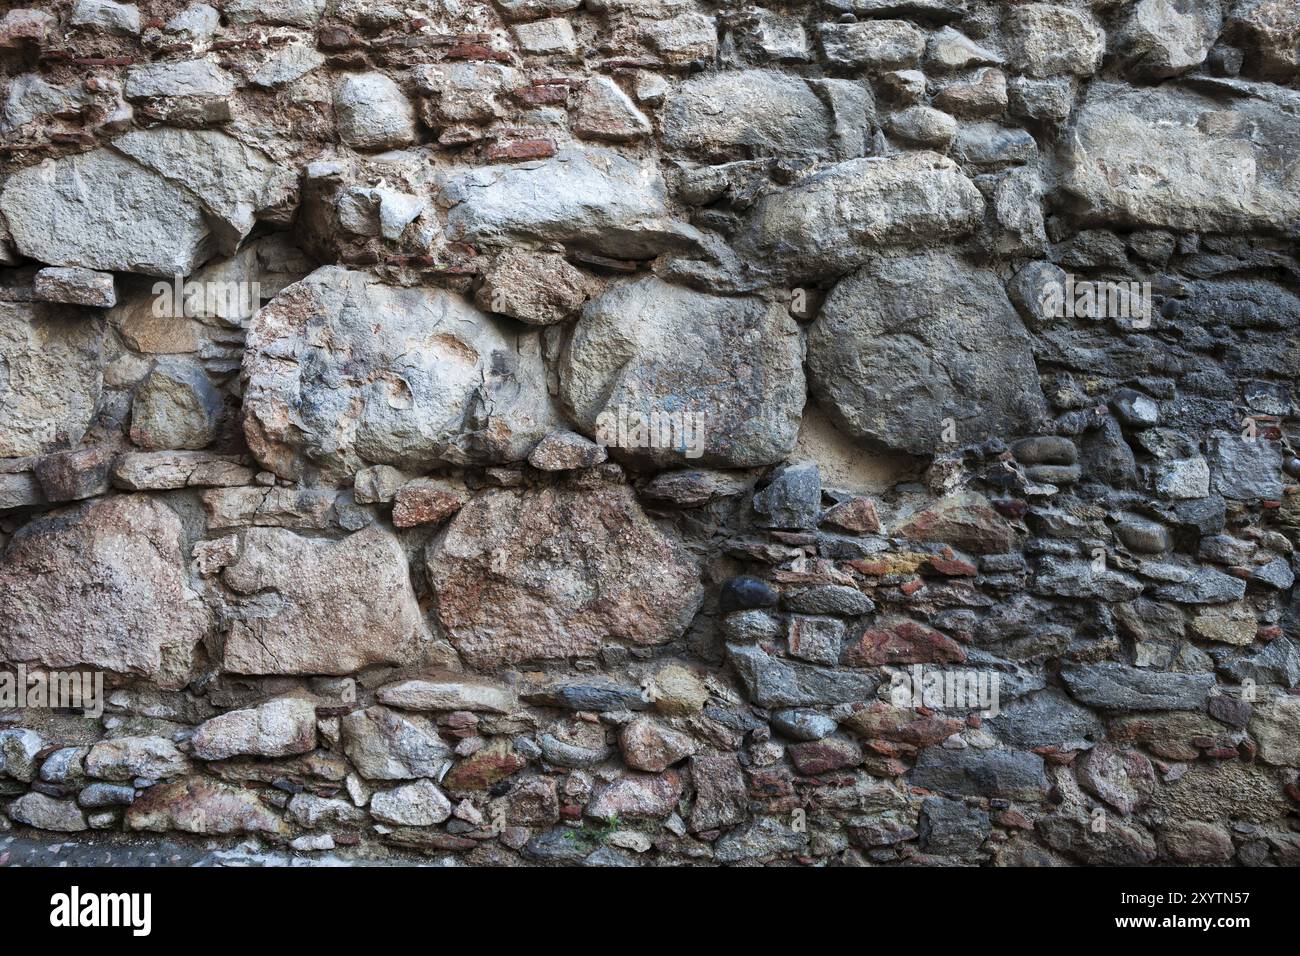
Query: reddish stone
(903, 642)
(823, 756)
(418, 504)
(858, 515)
(477, 51)
(953, 566)
(882, 721)
(548, 94)
(489, 766)
(1270, 633)
(912, 586)
(1011, 818)
(522, 149)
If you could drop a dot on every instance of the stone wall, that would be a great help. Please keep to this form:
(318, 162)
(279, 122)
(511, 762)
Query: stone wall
(963, 529)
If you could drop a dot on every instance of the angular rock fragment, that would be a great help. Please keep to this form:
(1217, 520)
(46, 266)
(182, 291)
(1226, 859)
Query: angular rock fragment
(385, 745)
(1113, 686)
(665, 373)
(277, 728)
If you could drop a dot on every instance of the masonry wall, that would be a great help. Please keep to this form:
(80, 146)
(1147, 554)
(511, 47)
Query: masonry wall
(654, 432)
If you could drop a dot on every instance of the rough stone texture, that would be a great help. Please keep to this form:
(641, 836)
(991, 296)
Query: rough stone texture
(729, 369)
(651, 432)
(104, 586)
(903, 345)
(440, 382)
(288, 598)
(530, 575)
(52, 370)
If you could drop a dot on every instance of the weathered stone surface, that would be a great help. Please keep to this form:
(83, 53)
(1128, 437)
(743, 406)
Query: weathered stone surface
(51, 359)
(1048, 39)
(906, 345)
(605, 112)
(75, 286)
(203, 806)
(1247, 469)
(176, 407)
(537, 288)
(879, 44)
(448, 692)
(764, 837)
(277, 728)
(128, 758)
(829, 223)
(772, 682)
(489, 766)
(665, 373)
(159, 201)
(45, 813)
(566, 451)
(18, 750)
(1163, 39)
(966, 521)
(525, 575)
(287, 598)
(758, 113)
(104, 586)
(1113, 686)
(418, 804)
(373, 113)
(1276, 727)
(442, 383)
(1271, 31)
(1147, 158)
(1046, 719)
(639, 796)
(386, 745)
(1122, 778)
(1011, 774)
(650, 745)
(591, 199)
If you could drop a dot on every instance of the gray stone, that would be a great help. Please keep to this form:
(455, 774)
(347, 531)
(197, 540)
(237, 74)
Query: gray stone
(75, 286)
(373, 113)
(1078, 578)
(1047, 40)
(292, 13)
(1117, 687)
(761, 838)
(1162, 38)
(176, 407)
(538, 288)
(100, 795)
(419, 804)
(1275, 725)
(772, 682)
(129, 758)
(448, 692)
(566, 451)
(830, 599)
(442, 383)
(924, 126)
(1202, 586)
(161, 471)
(591, 199)
(1144, 156)
(876, 44)
(1046, 719)
(951, 827)
(385, 745)
(760, 113)
(45, 813)
(119, 18)
(18, 750)
(792, 499)
(277, 728)
(1245, 469)
(830, 222)
(803, 724)
(1008, 774)
(286, 594)
(906, 344)
(664, 374)
(51, 364)
(103, 586)
(1269, 29)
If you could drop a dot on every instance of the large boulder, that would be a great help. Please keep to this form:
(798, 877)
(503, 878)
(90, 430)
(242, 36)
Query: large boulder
(759, 113)
(103, 585)
(50, 376)
(1175, 159)
(725, 374)
(904, 344)
(342, 371)
(315, 606)
(524, 575)
(592, 199)
(830, 222)
(159, 201)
